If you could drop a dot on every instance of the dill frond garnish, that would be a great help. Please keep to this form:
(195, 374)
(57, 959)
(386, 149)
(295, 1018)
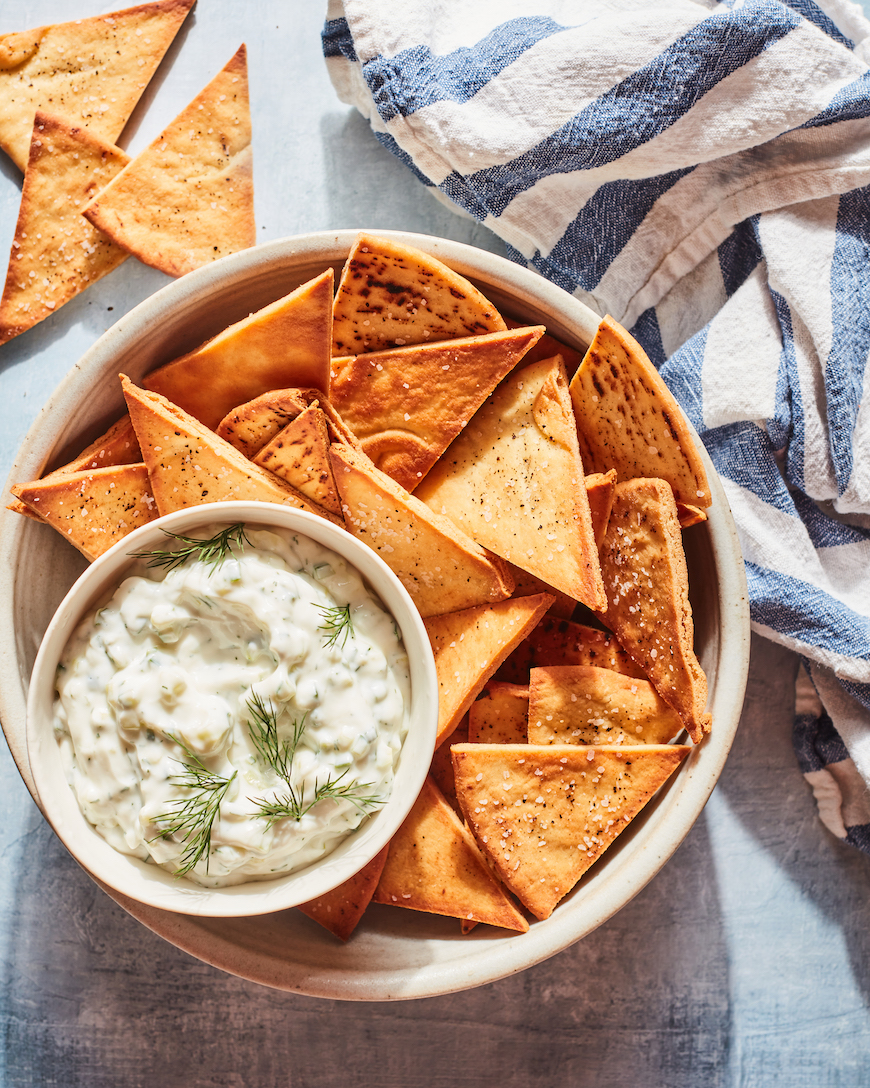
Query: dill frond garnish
(263, 731)
(336, 623)
(190, 819)
(294, 805)
(214, 550)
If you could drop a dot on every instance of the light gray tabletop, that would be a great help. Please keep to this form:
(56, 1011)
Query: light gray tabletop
(745, 962)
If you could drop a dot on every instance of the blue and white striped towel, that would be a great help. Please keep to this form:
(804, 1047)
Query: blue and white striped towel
(701, 171)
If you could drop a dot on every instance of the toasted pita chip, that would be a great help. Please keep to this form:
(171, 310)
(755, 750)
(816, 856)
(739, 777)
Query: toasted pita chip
(189, 465)
(514, 482)
(391, 295)
(300, 455)
(644, 569)
(340, 910)
(188, 199)
(434, 865)
(470, 645)
(441, 767)
(499, 716)
(440, 567)
(599, 492)
(583, 704)
(544, 815)
(525, 585)
(56, 254)
(559, 642)
(95, 508)
(252, 426)
(628, 419)
(548, 346)
(407, 405)
(690, 515)
(91, 71)
(284, 344)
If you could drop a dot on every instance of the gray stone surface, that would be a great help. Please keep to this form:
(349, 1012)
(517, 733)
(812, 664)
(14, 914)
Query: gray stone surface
(744, 963)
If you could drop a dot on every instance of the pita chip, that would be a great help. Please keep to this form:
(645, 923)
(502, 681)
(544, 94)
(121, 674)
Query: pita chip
(56, 253)
(189, 465)
(583, 704)
(300, 455)
(690, 515)
(644, 569)
(253, 425)
(440, 567)
(514, 482)
(560, 642)
(91, 71)
(599, 492)
(391, 295)
(284, 344)
(628, 419)
(407, 405)
(95, 508)
(441, 767)
(188, 199)
(499, 716)
(470, 645)
(434, 865)
(544, 815)
(548, 346)
(527, 584)
(340, 910)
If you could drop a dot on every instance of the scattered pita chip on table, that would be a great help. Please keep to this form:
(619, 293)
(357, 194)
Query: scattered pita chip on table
(56, 253)
(92, 71)
(544, 815)
(188, 199)
(407, 405)
(340, 910)
(499, 716)
(561, 642)
(647, 582)
(300, 455)
(514, 482)
(390, 295)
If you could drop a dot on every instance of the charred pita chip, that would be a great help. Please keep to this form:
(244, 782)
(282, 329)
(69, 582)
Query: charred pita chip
(514, 482)
(284, 344)
(56, 253)
(92, 71)
(188, 199)
(470, 645)
(499, 716)
(441, 768)
(434, 865)
(560, 642)
(407, 405)
(300, 455)
(95, 508)
(525, 585)
(627, 418)
(599, 492)
(391, 295)
(644, 569)
(544, 815)
(340, 910)
(189, 465)
(441, 568)
(583, 704)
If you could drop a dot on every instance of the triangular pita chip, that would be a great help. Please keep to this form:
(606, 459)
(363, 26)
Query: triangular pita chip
(499, 716)
(440, 567)
(189, 465)
(300, 455)
(93, 509)
(254, 424)
(407, 405)
(599, 492)
(644, 569)
(188, 199)
(92, 71)
(284, 344)
(470, 645)
(514, 482)
(544, 815)
(56, 253)
(434, 865)
(441, 767)
(340, 910)
(628, 419)
(582, 704)
(391, 294)
(548, 346)
(560, 642)
(527, 584)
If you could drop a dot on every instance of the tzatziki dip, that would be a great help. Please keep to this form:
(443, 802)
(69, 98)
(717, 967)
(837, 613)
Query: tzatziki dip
(236, 709)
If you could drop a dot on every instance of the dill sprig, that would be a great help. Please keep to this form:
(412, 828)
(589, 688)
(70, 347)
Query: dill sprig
(190, 819)
(263, 731)
(293, 804)
(337, 624)
(214, 550)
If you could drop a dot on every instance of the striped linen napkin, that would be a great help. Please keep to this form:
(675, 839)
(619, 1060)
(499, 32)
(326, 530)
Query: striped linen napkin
(701, 171)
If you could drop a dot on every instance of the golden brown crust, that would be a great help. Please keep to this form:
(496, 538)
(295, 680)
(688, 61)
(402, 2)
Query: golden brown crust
(561, 642)
(340, 910)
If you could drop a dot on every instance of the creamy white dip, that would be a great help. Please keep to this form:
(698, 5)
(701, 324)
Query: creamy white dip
(160, 697)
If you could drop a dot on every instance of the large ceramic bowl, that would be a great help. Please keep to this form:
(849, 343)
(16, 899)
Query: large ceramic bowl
(395, 954)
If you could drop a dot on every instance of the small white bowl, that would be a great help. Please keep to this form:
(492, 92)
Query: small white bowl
(149, 883)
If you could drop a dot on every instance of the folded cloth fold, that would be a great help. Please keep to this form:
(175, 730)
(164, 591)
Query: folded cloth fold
(701, 171)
